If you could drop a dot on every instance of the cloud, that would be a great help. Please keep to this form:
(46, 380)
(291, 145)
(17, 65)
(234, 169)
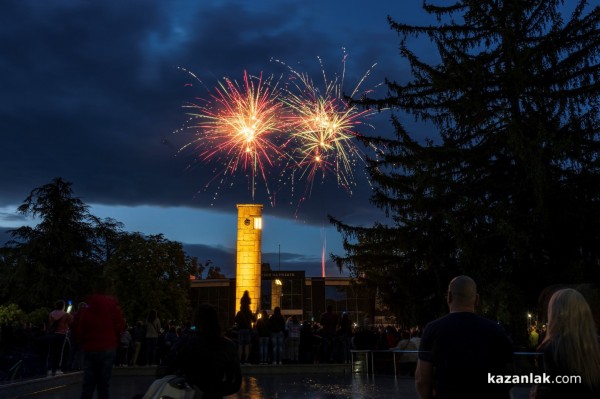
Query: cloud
(92, 93)
(10, 216)
(225, 259)
(4, 235)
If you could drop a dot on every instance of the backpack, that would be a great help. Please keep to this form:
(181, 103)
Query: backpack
(172, 386)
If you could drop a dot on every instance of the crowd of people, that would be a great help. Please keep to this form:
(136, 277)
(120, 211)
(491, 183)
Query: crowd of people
(450, 358)
(267, 339)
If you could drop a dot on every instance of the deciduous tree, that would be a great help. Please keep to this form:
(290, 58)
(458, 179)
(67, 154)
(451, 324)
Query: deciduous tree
(151, 272)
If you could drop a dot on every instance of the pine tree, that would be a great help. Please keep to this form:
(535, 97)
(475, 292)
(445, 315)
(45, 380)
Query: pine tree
(508, 187)
(53, 259)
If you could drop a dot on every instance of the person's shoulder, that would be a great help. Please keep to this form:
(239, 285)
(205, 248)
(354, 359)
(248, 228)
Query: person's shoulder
(547, 348)
(191, 340)
(465, 317)
(491, 324)
(57, 314)
(458, 320)
(227, 341)
(439, 321)
(222, 344)
(102, 301)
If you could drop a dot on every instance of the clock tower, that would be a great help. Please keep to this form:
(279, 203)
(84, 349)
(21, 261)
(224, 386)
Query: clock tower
(248, 277)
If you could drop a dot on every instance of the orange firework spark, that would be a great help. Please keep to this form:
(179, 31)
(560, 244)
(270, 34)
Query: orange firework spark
(323, 126)
(237, 126)
(266, 131)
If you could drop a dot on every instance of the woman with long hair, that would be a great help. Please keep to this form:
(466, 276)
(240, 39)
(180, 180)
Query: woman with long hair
(570, 347)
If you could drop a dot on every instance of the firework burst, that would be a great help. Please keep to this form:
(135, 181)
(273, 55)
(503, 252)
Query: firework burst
(303, 129)
(235, 127)
(324, 126)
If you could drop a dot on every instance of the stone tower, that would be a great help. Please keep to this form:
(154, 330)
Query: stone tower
(248, 278)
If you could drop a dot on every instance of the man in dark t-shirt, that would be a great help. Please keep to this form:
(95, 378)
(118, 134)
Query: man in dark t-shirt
(458, 350)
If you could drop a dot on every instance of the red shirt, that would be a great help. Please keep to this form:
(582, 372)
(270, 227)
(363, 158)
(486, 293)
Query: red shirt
(98, 327)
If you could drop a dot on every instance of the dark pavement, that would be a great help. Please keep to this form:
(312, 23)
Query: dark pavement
(287, 381)
(281, 382)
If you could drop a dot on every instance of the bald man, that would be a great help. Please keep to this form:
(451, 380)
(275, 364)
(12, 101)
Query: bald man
(458, 350)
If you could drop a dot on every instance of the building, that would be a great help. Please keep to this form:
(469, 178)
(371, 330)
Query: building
(292, 291)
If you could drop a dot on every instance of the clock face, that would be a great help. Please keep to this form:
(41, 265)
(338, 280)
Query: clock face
(247, 222)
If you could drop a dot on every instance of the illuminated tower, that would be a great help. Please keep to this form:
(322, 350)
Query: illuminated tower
(249, 227)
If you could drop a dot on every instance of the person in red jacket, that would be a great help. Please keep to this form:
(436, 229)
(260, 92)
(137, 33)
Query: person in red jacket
(98, 330)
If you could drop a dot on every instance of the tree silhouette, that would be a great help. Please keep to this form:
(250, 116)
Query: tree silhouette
(505, 186)
(70, 248)
(151, 272)
(53, 259)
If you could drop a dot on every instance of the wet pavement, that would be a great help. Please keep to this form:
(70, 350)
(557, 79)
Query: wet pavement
(278, 384)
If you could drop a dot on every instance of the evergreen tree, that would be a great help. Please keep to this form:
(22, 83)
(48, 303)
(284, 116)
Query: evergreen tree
(53, 259)
(70, 248)
(507, 188)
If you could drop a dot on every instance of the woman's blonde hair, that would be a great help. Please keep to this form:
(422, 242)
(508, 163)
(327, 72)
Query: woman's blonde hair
(572, 333)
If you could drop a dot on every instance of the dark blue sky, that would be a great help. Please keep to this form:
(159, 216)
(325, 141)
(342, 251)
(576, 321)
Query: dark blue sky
(91, 91)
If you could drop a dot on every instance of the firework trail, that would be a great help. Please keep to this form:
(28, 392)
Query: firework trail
(236, 126)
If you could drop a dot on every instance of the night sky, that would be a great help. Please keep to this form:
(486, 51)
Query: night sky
(93, 92)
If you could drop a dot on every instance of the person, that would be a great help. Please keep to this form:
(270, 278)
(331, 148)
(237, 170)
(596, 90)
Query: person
(77, 363)
(570, 348)
(98, 330)
(329, 322)
(58, 330)
(407, 360)
(205, 357)
(263, 332)
(244, 319)
(124, 347)
(345, 336)
(171, 337)
(138, 333)
(153, 328)
(307, 338)
(277, 326)
(391, 337)
(534, 337)
(458, 350)
(293, 327)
